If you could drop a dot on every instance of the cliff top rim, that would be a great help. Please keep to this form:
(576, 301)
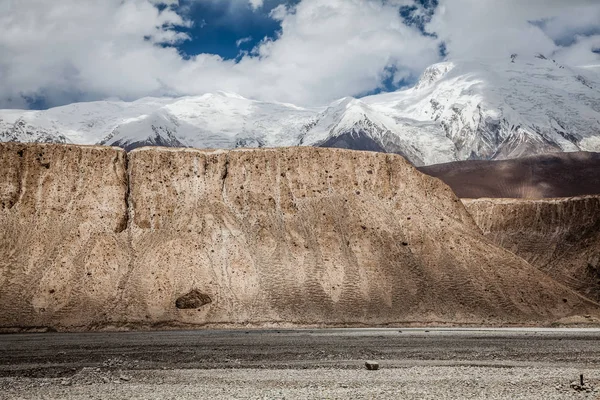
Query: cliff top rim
(283, 149)
(208, 151)
(61, 145)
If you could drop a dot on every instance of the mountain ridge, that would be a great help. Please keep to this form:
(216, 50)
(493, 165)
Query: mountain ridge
(458, 110)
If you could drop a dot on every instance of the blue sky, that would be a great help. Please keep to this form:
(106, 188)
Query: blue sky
(219, 25)
(305, 52)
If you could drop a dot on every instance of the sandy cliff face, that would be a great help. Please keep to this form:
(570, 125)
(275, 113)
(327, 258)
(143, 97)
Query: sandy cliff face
(63, 252)
(288, 236)
(559, 236)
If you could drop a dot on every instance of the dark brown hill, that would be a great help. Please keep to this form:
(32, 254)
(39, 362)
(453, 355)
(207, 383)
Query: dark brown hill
(536, 177)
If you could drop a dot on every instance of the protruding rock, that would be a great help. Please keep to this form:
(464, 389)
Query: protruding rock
(372, 365)
(194, 299)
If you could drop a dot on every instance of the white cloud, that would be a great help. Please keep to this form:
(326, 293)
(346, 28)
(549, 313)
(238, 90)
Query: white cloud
(490, 28)
(278, 13)
(241, 41)
(581, 53)
(333, 49)
(66, 50)
(572, 21)
(86, 48)
(256, 4)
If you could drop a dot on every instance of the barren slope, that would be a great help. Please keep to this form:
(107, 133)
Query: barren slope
(290, 236)
(559, 236)
(535, 177)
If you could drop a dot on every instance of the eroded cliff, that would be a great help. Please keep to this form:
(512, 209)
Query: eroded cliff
(92, 239)
(559, 236)
(63, 247)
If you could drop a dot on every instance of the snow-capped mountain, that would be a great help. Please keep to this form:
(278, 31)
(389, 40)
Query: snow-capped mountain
(505, 109)
(485, 109)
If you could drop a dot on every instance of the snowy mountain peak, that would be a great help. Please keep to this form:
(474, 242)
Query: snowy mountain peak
(229, 94)
(433, 74)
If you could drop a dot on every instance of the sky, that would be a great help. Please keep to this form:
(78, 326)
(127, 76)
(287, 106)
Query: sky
(305, 52)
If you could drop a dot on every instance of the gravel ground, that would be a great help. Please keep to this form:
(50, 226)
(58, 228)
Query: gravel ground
(419, 364)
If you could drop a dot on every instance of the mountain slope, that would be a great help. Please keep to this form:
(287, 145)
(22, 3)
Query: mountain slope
(220, 120)
(482, 109)
(559, 236)
(534, 177)
(499, 109)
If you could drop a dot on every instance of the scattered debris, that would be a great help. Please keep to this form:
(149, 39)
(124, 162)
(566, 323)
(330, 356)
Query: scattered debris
(581, 386)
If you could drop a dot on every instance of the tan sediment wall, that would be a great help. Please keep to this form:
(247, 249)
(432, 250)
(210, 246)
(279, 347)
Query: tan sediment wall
(92, 239)
(559, 236)
(63, 249)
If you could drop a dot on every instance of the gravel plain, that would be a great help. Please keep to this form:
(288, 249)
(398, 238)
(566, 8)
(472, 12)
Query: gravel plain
(303, 364)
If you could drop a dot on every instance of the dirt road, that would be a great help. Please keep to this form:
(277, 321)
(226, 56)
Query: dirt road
(415, 363)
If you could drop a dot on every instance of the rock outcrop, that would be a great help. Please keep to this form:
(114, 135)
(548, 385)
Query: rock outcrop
(92, 238)
(559, 236)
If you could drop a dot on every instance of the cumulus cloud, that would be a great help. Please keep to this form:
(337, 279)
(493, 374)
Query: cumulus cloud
(573, 21)
(333, 49)
(582, 52)
(489, 28)
(73, 50)
(83, 49)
